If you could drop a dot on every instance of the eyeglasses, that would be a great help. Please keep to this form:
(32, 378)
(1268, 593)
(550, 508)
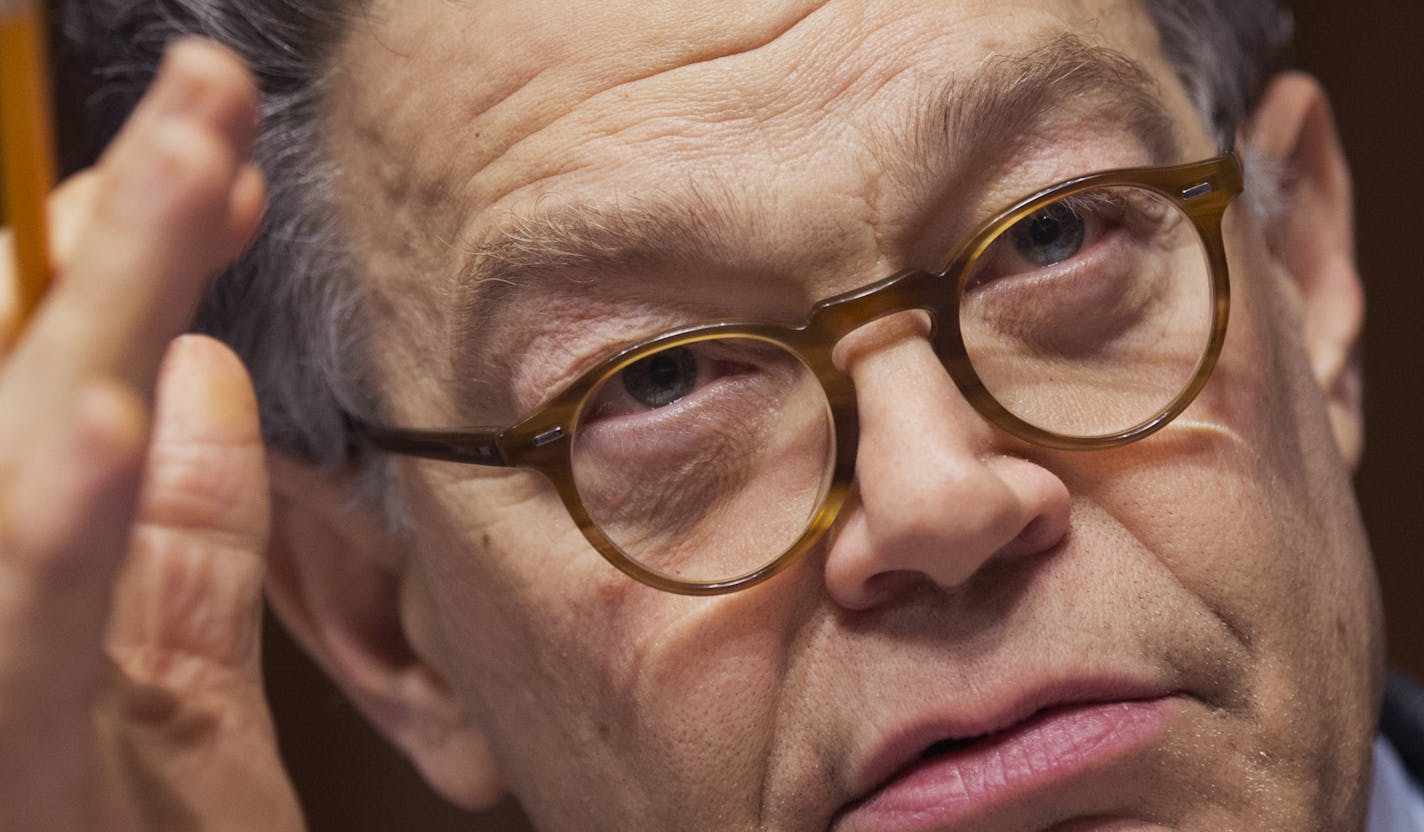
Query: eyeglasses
(708, 459)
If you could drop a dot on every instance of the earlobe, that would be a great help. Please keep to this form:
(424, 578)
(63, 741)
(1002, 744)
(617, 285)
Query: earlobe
(1312, 233)
(341, 587)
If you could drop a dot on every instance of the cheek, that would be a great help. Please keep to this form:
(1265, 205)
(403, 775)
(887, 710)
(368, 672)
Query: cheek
(1246, 492)
(1267, 459)
(1247, 504)
(585, 681)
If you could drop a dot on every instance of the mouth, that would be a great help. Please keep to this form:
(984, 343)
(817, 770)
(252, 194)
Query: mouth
(958, 778)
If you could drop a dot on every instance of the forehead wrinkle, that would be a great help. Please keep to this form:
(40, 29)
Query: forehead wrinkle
(768, 89)
(689, 54)
(965, 122)
(998, 109)
(406, 144)
(962, 123)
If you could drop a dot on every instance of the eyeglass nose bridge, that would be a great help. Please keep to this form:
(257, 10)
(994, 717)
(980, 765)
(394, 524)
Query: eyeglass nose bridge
(935, 293)
(836, 317)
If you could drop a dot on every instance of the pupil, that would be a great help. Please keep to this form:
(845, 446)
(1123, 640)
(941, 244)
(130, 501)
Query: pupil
(1051, 236)
(1044, 230)
(659, 380)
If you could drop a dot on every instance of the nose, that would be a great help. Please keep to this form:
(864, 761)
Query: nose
(938, 498)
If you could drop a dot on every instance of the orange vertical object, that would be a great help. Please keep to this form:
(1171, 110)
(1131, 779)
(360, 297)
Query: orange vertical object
(26, 144)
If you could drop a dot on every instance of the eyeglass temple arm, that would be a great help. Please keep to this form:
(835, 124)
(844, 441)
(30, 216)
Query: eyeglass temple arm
(474, 446)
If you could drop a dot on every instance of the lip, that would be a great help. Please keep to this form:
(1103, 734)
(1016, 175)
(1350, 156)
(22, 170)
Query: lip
(1050, 736)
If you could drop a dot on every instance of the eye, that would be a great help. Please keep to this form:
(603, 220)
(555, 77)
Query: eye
(1055, 237)
(661, 379)
(691, 383)
(1050, 236)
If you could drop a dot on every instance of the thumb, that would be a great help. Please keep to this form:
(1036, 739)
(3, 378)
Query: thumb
(187, 615)
(187, 718)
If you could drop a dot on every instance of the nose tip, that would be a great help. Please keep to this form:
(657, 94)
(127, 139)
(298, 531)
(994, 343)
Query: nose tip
(942, 531)
(937, 496)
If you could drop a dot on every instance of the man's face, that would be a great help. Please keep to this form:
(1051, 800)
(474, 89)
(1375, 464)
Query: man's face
(1180, 633)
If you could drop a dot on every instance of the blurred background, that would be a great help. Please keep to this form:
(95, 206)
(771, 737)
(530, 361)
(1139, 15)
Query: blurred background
(1369, 57)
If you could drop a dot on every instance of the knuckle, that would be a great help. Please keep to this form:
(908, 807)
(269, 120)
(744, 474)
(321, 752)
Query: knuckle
(33, 553)
(183, 174)
(188, 154)
(65, 507)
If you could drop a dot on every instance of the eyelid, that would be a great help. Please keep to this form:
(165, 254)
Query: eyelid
(710, 363)
(581, 357)
(722, 366)
(1092, 203)
(612, 400)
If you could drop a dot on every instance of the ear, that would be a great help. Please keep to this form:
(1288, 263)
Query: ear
(340, 583)
(1313, 234)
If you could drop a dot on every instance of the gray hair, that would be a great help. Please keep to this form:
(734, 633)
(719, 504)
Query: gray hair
(290, 305)
(1224, 51)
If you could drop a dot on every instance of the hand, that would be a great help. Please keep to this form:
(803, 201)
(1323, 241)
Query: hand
(131, 561)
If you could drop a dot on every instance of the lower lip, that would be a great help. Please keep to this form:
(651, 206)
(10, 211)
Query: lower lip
(1036, 755)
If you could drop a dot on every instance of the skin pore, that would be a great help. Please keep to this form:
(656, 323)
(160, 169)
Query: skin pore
(1220, 561)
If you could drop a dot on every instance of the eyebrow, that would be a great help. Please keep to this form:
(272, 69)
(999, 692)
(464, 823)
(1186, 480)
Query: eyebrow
(968, 119)
(963, 123)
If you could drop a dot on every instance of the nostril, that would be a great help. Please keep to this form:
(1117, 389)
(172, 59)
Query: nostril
(937, 496)
(1035, 537)
(883, 585)
(1047, 529)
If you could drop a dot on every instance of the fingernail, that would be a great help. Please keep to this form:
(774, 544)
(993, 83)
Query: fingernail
(175, 90)
(204, 394)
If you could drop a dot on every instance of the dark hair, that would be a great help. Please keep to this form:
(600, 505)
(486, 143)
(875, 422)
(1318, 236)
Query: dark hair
(289, 305)
(1224, 51)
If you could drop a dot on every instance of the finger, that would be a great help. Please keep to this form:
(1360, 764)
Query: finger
(74, 396)
(69, 212)
(186, 628)
(93, 330)
(187, 614)
(50, 667)
(171, 205)
(63, 511)
(57, 529)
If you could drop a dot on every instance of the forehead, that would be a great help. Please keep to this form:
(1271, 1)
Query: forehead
(484, 101)
(787, 130)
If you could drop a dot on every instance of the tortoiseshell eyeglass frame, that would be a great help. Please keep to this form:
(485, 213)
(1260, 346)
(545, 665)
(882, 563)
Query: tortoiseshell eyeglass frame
(543, 440)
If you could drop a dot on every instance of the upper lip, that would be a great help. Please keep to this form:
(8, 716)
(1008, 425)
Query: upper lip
(901, 748)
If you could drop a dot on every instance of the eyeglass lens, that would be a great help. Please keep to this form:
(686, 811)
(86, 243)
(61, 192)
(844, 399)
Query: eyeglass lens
(706, 461)
(1092, 315)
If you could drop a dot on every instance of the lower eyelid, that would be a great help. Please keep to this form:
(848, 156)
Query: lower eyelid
(1015, 280)
(725, 382)
(604, 411)
(642, 428)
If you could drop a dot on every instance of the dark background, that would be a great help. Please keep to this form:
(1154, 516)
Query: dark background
(1368, 54)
